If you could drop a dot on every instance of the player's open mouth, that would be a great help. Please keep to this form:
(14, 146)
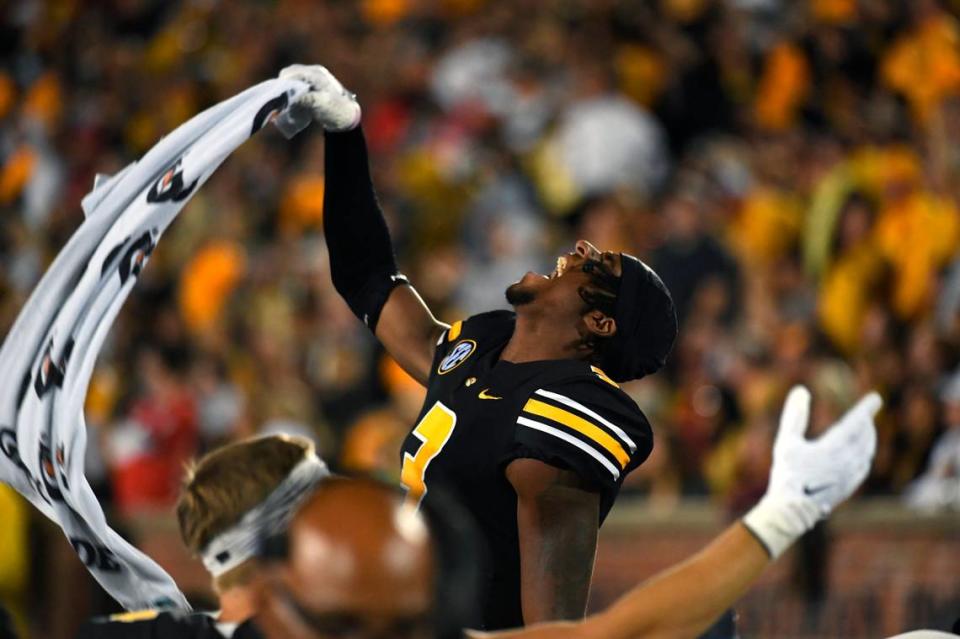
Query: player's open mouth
(561, 267)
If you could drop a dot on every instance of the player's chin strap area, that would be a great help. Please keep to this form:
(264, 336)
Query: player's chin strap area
(241, 541)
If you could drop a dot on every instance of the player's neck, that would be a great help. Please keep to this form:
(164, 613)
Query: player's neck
(536, 339)
(237, 604)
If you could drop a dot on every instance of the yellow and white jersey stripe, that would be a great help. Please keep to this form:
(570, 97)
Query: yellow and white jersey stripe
(568, 420)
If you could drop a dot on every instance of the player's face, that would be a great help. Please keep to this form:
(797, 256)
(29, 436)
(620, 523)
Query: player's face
(328, 592)
(562, 286)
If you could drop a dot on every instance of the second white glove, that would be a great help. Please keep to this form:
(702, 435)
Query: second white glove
(810, 477)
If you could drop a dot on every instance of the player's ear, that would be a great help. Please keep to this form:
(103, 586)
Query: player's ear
(600, 324)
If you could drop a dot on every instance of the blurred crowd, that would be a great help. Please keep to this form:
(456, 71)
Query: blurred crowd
(789, 168)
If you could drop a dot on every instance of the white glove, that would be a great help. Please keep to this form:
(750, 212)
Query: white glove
(335, 108)
(810, 477)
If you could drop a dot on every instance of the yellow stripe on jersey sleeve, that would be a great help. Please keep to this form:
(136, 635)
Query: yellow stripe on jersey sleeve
(454, 331)
(604, 376)
(135, 615)
(580, 425)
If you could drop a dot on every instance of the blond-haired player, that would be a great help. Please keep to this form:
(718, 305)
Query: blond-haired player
(228, 498)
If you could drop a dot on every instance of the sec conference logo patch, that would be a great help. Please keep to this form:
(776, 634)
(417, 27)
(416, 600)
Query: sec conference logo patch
(457, 355)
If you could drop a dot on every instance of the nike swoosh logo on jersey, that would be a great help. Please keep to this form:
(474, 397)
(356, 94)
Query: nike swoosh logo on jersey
(483, 395)
(813, 490)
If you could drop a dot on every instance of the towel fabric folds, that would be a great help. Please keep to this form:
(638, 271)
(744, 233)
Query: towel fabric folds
(48, 356)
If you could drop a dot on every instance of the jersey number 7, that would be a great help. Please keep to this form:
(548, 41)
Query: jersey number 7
(434, 431)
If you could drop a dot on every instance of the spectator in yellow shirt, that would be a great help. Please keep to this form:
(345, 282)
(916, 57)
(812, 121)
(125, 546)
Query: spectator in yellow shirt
(924, 63)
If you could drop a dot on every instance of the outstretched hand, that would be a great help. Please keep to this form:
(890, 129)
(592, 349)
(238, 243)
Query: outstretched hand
(810, 477)
(828, 469)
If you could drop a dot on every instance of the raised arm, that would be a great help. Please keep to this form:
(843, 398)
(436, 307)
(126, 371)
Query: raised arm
(362, 261)
(807, 481)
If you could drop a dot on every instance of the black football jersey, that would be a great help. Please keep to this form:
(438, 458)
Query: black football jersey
(155, 624)
(481, 413)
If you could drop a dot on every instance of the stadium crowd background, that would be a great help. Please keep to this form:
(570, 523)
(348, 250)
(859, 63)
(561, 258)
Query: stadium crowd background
(790, 169)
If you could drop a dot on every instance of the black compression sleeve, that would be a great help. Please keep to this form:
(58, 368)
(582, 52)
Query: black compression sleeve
(362, 263)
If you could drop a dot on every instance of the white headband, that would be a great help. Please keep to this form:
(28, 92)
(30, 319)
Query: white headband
(240, 542)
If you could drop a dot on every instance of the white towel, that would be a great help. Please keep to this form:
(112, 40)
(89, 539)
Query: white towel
(48, 356)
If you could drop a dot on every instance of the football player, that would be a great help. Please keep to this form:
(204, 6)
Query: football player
(226, 500)
(360, 563)
(524, 420)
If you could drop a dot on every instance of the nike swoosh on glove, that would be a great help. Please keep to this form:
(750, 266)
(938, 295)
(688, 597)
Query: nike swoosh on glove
(330, 104)
(810, 477)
